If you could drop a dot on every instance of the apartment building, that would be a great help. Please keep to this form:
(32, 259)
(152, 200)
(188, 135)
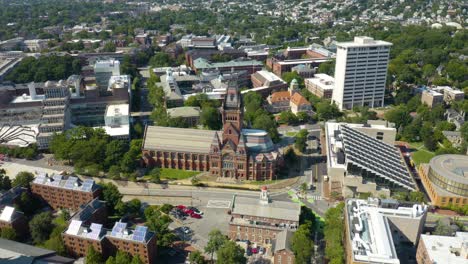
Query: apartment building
(361, 73)
(60, 192)
(11, 218)
(139, 241)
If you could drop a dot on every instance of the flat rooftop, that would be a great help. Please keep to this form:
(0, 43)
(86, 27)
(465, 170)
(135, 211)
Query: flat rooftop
(362, 41)
(274, 209)
(324, 81)
(117, 110)
(452, 167)
(369, 233)
(178, 139)
(441, 248)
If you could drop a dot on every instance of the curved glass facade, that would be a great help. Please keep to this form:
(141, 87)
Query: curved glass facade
(448, 184)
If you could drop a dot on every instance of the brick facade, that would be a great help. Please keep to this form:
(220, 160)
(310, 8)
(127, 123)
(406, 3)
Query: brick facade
(58, 197)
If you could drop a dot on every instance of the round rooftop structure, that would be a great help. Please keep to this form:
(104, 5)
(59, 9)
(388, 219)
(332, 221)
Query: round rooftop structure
(450, 172)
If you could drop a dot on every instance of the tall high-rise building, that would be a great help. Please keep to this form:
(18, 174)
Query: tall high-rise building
(361, 72)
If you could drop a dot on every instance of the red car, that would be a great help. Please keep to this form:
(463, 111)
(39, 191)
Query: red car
(188, 211)
(181, 207)
(254, 250)
(194, 215)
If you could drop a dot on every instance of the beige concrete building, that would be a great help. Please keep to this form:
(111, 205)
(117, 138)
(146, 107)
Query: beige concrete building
(443, 249)
(363, 159)
(432, 98)
(381, 231)
(321, 85)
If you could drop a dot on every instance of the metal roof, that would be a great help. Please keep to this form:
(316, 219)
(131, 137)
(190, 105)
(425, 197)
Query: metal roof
(178, 139)
(274, 209)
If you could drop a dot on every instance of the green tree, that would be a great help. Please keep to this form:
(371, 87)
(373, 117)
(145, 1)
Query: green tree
(327, 68)
(215, 242)
(155, 175)
(333, 232)
(230, 253)
(111, 195)
(210, 118)
(40, 227)
(300, 141)
(326, 111)
(197, 258)
(287, 117)
(136, 260)
(416, 197)
(160, 59)
(23, 179)
(8, 233)
(93, 256)
(109, 47)
(5, 182)
(302, 116)
(442, 229)
(159, 223)
(267, 123)
(302, 245)
(398, 115)
(27, 204)
(115, 149)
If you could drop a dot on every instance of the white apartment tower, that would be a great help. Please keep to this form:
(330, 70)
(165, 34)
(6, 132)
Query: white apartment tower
(361, 72)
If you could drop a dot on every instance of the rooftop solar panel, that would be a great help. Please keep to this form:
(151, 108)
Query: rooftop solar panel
(70, 183)
(40, 178)
(74, 227)
(7, 213)
(87, 185)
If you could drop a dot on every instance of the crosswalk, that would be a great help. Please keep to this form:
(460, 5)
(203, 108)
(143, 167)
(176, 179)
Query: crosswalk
(219, 204)
(314, 197)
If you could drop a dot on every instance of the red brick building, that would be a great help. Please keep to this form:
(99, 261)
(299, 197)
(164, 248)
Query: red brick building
(92, 212)
(261, 220)
(68, 193)
(78, 238)
(235, 153)
(11, 218)
(283, 253)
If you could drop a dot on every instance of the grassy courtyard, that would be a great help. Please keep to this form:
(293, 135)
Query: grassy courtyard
(174, 174)
(420, 153)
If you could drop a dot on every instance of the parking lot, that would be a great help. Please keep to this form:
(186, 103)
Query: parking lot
(213, 218)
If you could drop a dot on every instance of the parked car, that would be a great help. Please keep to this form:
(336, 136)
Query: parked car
(185, 229)
(195, 215)
(181, 207)
(248, 251)
(195, 210)
(262, 250)
(255, 250)
(188, 211)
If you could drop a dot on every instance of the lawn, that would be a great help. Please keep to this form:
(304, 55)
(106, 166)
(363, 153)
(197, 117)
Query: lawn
(291, 134)
(174, 174)
(420, 154)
